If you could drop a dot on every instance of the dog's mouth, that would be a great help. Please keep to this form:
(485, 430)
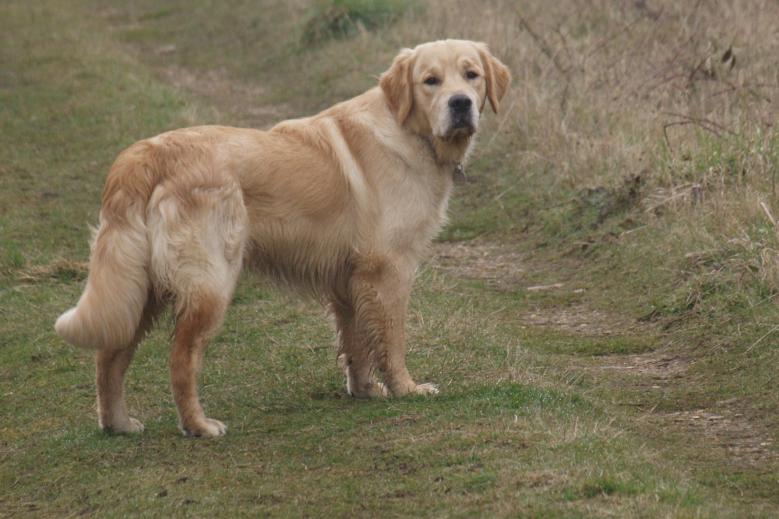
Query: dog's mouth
(462, 126)
(457, 123)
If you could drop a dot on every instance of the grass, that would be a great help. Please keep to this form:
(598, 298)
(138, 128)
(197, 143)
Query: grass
(637, 381)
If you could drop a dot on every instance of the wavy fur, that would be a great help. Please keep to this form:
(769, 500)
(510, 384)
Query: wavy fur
(341, 205)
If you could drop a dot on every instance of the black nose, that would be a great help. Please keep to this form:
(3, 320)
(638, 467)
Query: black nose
(460, 103)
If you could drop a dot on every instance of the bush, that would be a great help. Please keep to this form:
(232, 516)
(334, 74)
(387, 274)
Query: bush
(343, 18)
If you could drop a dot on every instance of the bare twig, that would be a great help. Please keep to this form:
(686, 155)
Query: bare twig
(772, 330)
(665, 134)
(537, 288)
(610, 39)
(502, 123)
(767, 212)
(544, 46)
(707, 124)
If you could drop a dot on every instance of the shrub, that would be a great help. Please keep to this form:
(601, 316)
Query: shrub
(343, 18)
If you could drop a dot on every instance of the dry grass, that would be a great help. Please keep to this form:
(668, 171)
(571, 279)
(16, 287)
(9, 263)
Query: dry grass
(602, 86)
(681, 94)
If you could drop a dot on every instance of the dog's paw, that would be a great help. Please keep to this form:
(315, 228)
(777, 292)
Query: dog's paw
(425, 389)
(128, 426)
(208, 428)
(411, 388)
(373, 390)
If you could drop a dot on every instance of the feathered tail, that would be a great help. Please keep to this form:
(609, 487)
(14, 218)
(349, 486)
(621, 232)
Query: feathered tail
(109, 311)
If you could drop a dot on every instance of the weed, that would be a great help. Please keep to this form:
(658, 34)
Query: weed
(13, 255)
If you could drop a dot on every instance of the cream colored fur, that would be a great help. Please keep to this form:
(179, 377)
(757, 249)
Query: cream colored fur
(341, 205)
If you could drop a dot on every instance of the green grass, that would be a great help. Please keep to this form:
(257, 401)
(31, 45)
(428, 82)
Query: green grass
(533, 418)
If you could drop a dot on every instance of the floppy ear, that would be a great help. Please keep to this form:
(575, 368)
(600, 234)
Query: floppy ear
(496, 74)
(397, 86)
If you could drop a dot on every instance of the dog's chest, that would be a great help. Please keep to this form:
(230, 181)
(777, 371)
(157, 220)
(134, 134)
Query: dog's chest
(413, 209)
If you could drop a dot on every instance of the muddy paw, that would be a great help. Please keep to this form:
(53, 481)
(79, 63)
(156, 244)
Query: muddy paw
(206, 429)
(411, 388)
(425, 389)
(127, 426)
(372, 390)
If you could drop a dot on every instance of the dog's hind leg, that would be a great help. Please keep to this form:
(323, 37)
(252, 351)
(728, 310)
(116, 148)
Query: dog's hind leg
(199, 235)
(111, 366)
(196, 324)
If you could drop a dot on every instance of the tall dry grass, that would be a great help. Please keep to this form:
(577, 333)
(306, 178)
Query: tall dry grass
(600, 85)
(680, 99)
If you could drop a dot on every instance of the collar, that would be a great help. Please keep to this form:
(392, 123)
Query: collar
(458, 175)
(457, 169)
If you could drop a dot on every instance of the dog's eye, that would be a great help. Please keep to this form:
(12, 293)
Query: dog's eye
(471, 74)
(431, 81)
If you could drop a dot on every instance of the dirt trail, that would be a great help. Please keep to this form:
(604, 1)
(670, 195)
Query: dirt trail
(244, 102)
(505, 269)
(722, 426)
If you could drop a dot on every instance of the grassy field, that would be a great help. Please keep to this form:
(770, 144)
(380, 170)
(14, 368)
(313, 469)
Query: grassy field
(600, 313)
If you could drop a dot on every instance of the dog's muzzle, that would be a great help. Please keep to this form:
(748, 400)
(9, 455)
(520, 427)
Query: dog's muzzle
(461, 114)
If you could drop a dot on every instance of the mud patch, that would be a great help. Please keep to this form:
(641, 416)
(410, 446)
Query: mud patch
(660, 367)
(505, 269)
(500, 266)
(580, 320)
(724, 428)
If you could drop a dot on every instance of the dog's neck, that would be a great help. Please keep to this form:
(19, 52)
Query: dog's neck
(451, 152)
(450, 155)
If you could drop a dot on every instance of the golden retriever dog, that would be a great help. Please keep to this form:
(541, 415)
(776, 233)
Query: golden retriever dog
(343, 205)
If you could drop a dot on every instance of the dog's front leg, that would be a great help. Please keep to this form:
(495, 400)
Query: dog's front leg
(380, 293)
(355, 359)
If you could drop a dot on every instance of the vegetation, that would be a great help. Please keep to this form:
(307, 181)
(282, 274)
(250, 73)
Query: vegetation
(342, 18)
(600, 313)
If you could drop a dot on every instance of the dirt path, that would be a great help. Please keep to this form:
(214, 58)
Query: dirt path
(244, 102)
(724, 426)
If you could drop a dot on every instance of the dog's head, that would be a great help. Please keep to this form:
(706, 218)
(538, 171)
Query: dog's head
(440, 88)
